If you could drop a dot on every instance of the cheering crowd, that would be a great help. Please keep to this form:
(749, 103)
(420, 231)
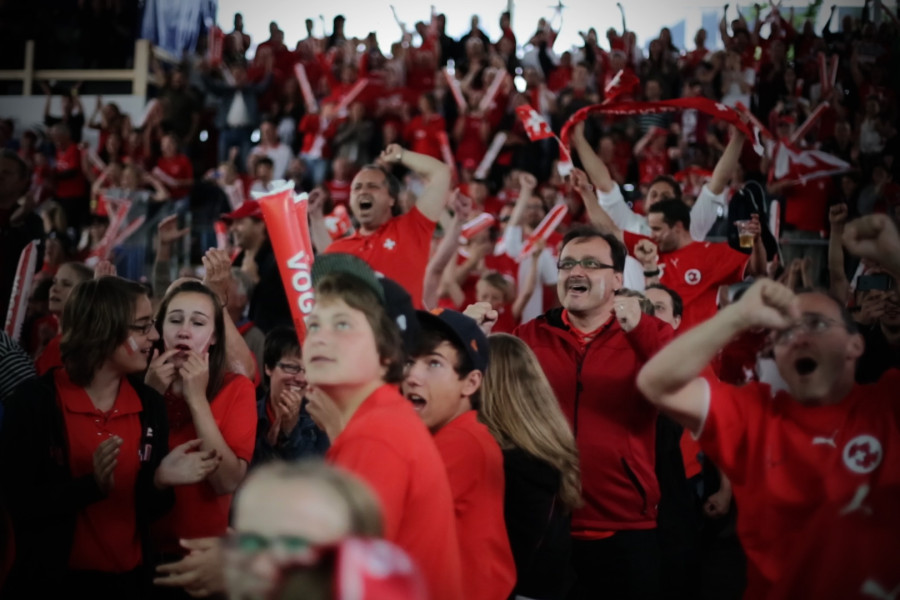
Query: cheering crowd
(586, 325)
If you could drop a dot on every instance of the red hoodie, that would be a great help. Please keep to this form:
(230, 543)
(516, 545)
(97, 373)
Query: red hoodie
(615, 427)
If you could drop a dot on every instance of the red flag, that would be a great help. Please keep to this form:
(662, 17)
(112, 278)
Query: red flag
(799, 166)
(623, 83)
(215, 41)
(543, 231)
(535, 125)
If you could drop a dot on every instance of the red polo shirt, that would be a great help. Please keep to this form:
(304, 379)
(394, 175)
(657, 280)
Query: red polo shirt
(786, 459)
(399, 250)
(50, 357)
(475, 469)
(199, 511)
(386, 444)
(696, 272)
(106, 537)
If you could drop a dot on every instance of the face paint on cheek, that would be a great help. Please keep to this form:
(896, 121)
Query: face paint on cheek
(132, 346)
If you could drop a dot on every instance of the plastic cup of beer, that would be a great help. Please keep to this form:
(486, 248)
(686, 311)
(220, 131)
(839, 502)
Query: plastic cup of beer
(745, 234)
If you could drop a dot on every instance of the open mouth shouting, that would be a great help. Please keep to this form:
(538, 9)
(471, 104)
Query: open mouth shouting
(805, 366)
(366, 202)
(417, 401)
(578, 285)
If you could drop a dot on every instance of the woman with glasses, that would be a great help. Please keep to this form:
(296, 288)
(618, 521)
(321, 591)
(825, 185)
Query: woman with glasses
(205, 401)
(285, 429)
(85, 464)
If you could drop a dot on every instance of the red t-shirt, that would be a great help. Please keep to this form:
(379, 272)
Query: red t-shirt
(696, 272)
(106, 536)
(806, 205)
(399, 250)
(199, 511)
(50, 357)
(339, 191)
(177, 167)
(471, 146)
(651, 165)
(785, 460)
(502, 264)
(422, 135)
(475, 468)
(72, 187)
(386, 444)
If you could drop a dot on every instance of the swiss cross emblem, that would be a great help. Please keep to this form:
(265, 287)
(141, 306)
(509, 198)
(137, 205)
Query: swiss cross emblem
(863, 454)
(692, 277)
(535, 123)
(389, 244)
(721, 107)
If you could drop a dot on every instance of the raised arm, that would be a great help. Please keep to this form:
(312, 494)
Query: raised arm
(318, 231)
(875, 237)
(711, 198)
(593, 165)
(446, 250)
(609, 197)
(436, 173)
(671, 379)
(837, 275)
(597, 216)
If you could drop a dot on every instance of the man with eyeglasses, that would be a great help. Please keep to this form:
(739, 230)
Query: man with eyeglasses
(285, 430)
(825, 443)
(591, 350)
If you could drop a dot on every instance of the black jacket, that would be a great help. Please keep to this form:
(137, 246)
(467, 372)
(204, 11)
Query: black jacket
(40, 493)
(538, 526)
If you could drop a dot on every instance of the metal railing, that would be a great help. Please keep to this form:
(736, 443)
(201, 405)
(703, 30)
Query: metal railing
(137, 76)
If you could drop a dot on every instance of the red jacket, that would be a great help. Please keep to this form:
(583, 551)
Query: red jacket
(614, 426)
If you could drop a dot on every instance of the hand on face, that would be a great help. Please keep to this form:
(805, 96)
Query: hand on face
(194, 373)
(161, 372)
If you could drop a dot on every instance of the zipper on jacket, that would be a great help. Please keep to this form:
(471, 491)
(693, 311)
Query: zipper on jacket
(578, 388)
(637, 484)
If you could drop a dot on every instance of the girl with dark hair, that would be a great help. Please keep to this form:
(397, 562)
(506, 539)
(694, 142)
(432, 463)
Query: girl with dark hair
(205, 401)
(83, 454)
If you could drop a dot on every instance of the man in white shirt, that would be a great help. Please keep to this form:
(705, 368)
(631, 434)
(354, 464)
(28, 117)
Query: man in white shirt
(270, 145)
(710, 202)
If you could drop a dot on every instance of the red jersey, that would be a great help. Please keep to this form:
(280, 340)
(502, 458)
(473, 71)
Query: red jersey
(475, 469)
(806, 205)
(386, 444)
(422, 135)
(696, 272)
(399, 250)
(502, 264)
(71, 187)
(106, 536)
(339, 192)
(177, 167)
(199, 511)
(786, 459)
(471, 146)
(50, 357)
(651, 165)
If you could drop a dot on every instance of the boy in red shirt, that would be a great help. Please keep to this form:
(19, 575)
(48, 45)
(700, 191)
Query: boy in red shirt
(823, 441)
(353, 354)
(442, 382)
